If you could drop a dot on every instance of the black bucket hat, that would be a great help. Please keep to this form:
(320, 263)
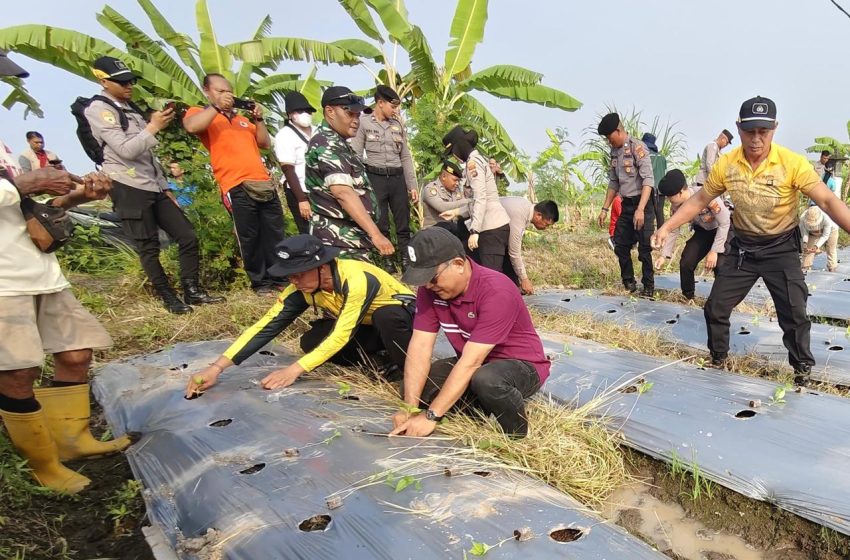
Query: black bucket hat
(301, 253)
(295, 101)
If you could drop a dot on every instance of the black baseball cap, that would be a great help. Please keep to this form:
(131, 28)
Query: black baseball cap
(758, 112)
(341, 96)
(428, 249)
(301, 253)
(453, 168)
(9, 68)
(112, 69)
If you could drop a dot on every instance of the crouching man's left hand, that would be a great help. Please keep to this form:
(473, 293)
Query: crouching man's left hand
(281, 378)
(416, 426)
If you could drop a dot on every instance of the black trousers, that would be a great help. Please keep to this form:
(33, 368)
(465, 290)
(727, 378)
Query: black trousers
(391, 329)
(391, 194)
(508, 270)
(780, 269)
(259, 227)
(301, 224)
(697, 247)
(499, 387)
(625, 237)
(142, 213)
(493, 246)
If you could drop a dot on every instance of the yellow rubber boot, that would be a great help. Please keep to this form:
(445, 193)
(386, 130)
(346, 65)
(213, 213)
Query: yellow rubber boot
(31, 436)
(68, 410)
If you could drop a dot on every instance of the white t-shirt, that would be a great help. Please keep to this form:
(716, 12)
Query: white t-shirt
(290, 149)
(24, 269)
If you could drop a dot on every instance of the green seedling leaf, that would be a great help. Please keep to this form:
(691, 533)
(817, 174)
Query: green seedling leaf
(479, 549)
(344, 388)
(332, 437)
(644, 387)
(406, 481)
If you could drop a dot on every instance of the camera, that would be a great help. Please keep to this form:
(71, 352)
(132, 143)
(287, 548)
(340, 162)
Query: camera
(244, 104)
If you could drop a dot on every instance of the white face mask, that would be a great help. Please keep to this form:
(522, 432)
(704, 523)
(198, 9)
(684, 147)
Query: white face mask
(302, 119)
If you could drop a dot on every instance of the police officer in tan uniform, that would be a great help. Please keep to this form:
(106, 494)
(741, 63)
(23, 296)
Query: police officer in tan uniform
(139, 188)
(389, 165)
(630, 175)
(489, 230)
(444, 193)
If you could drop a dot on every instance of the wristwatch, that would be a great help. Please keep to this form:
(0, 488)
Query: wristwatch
(473, 232)
(605, 209)
(432, 416)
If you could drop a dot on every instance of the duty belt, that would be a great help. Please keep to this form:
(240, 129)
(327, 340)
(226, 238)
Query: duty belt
(385, 171)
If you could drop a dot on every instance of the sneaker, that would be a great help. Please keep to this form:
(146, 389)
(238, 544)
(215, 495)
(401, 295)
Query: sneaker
(267, 291)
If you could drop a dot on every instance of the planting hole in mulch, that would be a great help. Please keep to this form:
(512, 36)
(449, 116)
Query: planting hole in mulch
(743, 331)
(611, 311)
(253, 469)
(221, 423)
(567, 535)
(567, 299)
(267, 353)
(482, 473)
(629, 389)
(835, 348)
(315, 523)
(179, 368)
(351, 398)
(672, 321)
(744, 414)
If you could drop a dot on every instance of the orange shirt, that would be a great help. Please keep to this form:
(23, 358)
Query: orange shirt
(234, 154)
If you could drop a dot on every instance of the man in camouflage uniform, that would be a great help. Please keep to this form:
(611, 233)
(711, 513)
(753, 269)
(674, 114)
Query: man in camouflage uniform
(342, 200)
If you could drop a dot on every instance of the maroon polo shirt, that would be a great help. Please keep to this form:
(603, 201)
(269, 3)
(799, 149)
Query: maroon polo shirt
(490, 311)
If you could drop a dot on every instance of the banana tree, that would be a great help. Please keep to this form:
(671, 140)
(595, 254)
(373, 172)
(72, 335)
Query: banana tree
(448, 88)
(161, 75)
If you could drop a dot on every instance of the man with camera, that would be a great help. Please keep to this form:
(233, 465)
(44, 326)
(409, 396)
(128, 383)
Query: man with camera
(234, 142)
(38, 314)
(139, 190)
(36, 156)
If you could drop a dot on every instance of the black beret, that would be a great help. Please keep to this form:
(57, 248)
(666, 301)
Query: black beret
(453, 168)
(460, 134)
(608, 124)
(387, 93)
(672, 183)
(728, 135)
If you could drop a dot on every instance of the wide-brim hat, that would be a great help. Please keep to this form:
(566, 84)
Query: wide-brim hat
(649, 140)
(300, 253)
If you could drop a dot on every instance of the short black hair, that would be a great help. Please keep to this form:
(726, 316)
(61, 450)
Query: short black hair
(212, 75)
(823, 153)
(548, 209)
(34, 134)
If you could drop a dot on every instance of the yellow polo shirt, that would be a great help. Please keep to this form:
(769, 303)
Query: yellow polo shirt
(767, 198)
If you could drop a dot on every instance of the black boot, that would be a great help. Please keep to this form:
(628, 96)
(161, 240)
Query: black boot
(802, 373)
(172, 302)
(648, 292)
(193, 294)
(718, 359)
(630, 285)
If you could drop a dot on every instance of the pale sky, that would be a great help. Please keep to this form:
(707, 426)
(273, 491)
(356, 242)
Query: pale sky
(690, 61)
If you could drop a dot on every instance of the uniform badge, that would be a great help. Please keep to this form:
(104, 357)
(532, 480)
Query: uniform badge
(432, 191)
(471, 315)
(640, 152)
(108, 116)
(471, 165)
(395, 128)
(473, 173)
(714, 206)
(243, 124)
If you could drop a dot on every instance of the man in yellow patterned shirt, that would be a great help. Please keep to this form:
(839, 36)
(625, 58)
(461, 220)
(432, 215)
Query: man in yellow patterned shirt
(365, 311)
(764, 181)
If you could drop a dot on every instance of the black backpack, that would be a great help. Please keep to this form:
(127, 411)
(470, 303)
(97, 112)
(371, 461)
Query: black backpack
(91, 146)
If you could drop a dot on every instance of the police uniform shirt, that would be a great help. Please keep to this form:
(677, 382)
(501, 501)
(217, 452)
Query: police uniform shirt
(385, 143)
(710, 155)
(486, 210)
(128, 156)
(714, 216)
(436, 199)
(631, 169)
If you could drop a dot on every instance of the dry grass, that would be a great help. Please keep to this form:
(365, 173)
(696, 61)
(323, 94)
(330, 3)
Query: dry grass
(567, 447)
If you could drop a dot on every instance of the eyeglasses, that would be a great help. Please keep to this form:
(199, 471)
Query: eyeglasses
(125, 83)
(433, 280)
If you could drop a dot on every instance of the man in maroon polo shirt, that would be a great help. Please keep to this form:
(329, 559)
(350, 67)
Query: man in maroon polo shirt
(500, 359)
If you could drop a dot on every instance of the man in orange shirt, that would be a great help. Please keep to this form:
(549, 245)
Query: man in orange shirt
(248, 192)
